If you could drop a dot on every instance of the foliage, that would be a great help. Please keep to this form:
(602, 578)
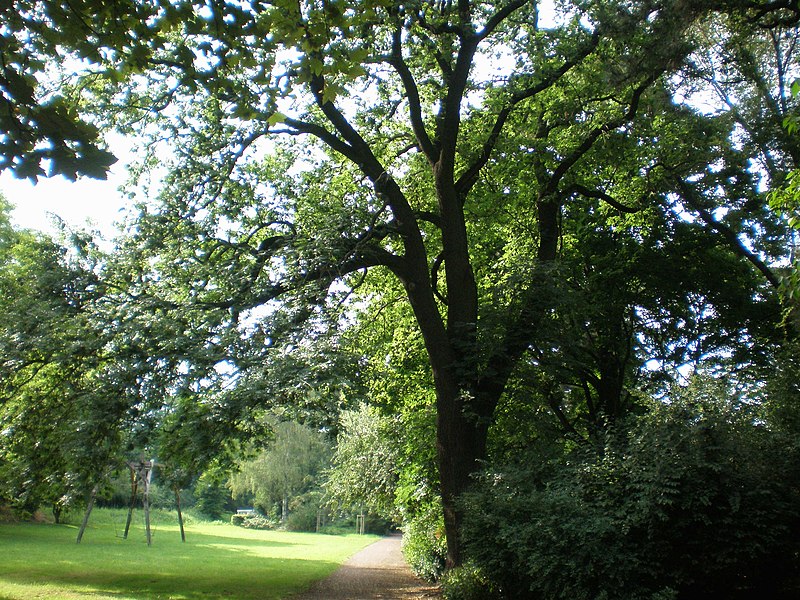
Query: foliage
(786, 201)
(212, 498)
(468, 582)
(291, 466)
(698, 498)
(424, 545)
(255, 522)
(39, 124)
(363, 472)
(60, 413)
(561, 222)
(306, 512)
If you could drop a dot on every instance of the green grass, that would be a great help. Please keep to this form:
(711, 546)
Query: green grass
(217, 560)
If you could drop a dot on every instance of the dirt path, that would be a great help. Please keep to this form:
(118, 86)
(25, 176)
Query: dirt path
(376, 572)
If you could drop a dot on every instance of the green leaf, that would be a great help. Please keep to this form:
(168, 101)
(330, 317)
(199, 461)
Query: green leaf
(275, 118)
(316, 66)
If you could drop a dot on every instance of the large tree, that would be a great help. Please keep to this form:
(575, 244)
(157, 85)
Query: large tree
(425, 125)
(59, 415)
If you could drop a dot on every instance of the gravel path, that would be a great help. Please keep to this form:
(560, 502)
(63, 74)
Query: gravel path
(376, 572)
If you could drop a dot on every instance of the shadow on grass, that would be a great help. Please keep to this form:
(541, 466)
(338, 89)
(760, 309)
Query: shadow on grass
(207, 566)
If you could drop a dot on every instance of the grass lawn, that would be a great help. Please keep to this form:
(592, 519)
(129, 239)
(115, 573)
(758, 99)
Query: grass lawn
(217, 560)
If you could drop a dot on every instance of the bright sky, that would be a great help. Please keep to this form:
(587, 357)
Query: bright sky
(83, 204)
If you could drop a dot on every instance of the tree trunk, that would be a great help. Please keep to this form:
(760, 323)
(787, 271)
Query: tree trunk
(146, 505)
(180, 514)
(89, 506)
(134, 489)
(461, 445)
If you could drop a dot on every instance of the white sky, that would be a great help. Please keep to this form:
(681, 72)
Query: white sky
(83, 204)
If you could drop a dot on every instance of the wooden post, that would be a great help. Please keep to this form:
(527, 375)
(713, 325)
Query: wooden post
(180, 515)
(134, 489)
(89, 507)
(360, 525)
(148, 470)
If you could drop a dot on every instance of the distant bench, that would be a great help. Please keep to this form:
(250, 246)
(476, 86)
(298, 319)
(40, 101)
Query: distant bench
(245, 511)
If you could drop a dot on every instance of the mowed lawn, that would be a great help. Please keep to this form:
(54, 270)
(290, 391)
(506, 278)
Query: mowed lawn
(217, 561)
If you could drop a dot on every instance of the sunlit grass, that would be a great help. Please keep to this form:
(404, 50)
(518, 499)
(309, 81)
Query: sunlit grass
(217, 560)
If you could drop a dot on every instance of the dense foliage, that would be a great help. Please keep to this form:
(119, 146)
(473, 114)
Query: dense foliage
(698, 498)
(60, 419)
(365, 464)
(280, 475)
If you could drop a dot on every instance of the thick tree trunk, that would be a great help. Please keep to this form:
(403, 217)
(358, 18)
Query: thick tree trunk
(461, 432)
(461, 445)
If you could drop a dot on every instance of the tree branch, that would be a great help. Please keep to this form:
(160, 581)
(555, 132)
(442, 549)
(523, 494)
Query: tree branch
(412, 92)
(567, 163)
(470, 176)
(601, 195)
(322, 134)
(692, 198)
(501, 15)
(326, 274)
(437, 265)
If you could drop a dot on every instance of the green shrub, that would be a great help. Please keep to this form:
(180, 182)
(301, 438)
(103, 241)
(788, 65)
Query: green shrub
(259, 522)
(697, 499)
(254, 521)
(303, 517)
(468, 582)
(424, 545)
(213, 499)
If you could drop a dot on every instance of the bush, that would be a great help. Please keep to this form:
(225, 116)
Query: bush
(254, 521)
(468, 582)
(303, 514)
(259, 522)
(697, 499)
(424, 545)
(212, 499)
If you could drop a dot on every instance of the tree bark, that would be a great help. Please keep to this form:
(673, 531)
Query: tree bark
(461, 445)
(89, 507)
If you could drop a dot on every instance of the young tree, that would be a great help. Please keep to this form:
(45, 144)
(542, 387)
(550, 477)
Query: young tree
(290, 466)
(364, 467)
